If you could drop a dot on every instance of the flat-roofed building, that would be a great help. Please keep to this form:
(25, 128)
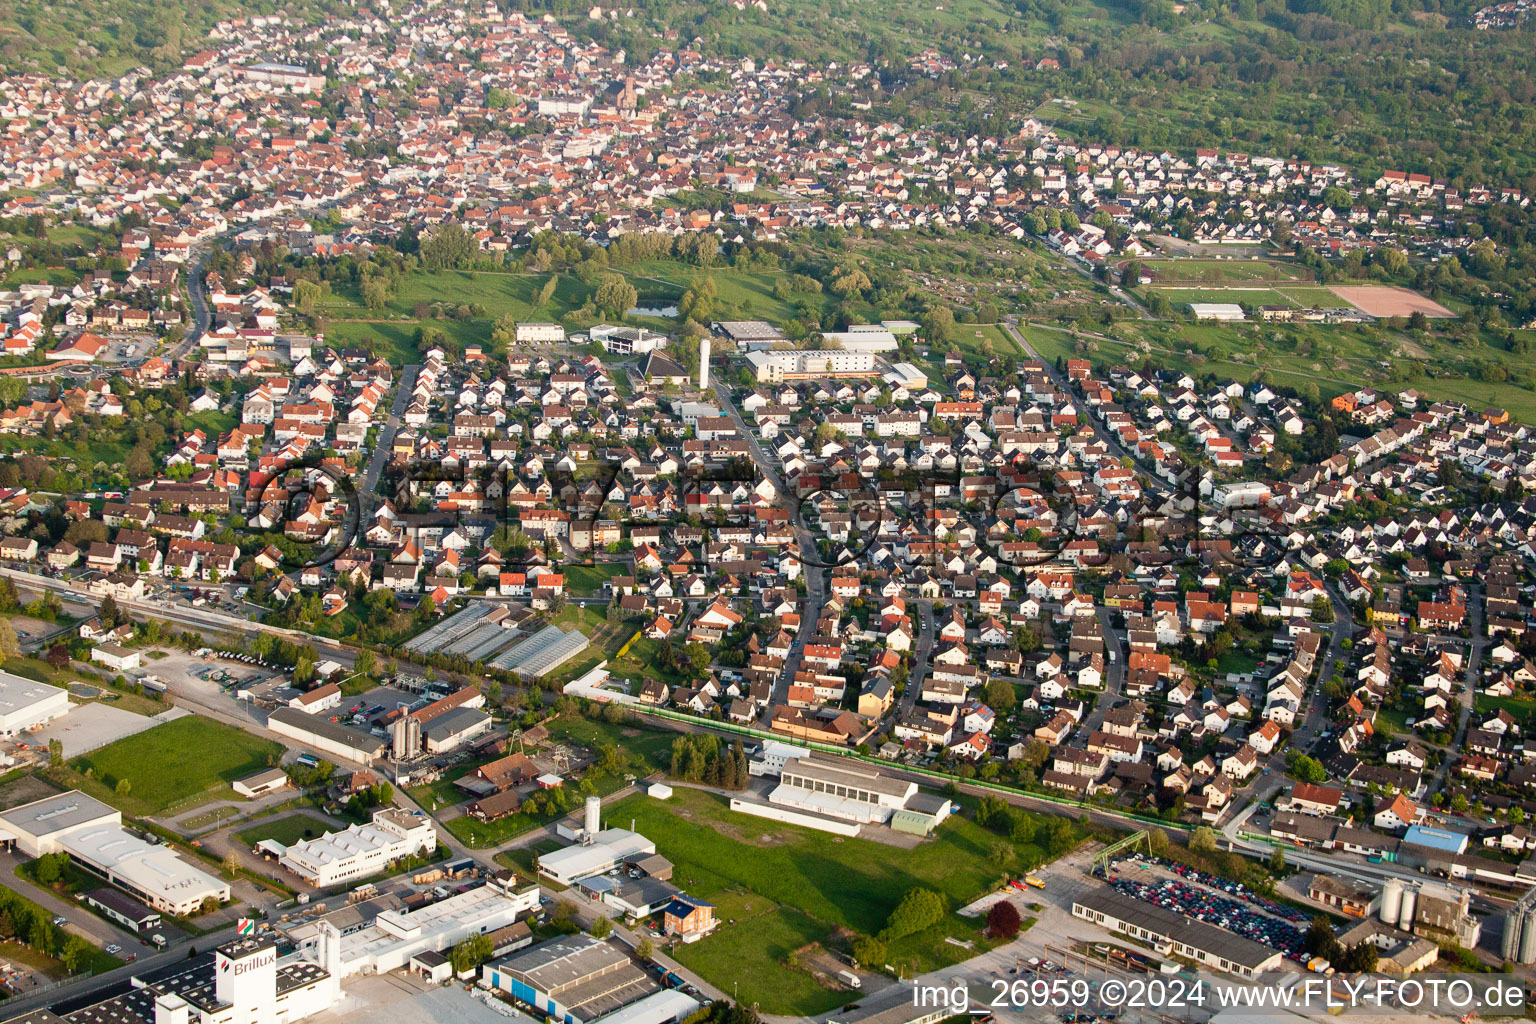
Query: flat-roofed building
(37, 827)
(25, 704)
(330, 738)
(608, 849)
(839, 789)
(361, 850)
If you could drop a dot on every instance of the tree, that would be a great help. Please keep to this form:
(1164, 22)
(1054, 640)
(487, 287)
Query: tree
(471, 953)
(645, 949)
(999, 695)
(614, 295)
(1305, 768)
(1277, 861)
(869, 951)
(10, 646)
(938, 324)
(57, 656)
(55, 752)
(123, 787)
(602, 926)
(919, 909)
(1202, 840)
(1003, 920)
(138, 463)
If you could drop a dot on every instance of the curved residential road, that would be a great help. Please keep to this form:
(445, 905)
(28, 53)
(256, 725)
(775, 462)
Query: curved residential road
(815, 575)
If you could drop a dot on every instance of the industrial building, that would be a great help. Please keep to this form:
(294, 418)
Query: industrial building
(25, 704)
(387, 937)
(454, 728)
(359, 850)
(601, 852)
(1430, 910)
(92, 834)
(328, 737)
(578, 979)
(241, 982)
(1172, 934)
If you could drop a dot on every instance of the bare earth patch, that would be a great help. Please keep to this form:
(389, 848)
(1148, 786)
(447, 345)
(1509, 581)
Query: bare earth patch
(1389, 300)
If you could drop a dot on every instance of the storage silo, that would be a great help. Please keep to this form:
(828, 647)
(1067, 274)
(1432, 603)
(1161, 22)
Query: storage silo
(1528, 936)
(594, 815)
(1509, 942)
(1391, 900)
(1410, 903)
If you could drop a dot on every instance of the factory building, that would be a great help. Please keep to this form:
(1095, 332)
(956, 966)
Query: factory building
(359, 850)
(240, 982)
(384, 935)
(578, 979)
(329, 738)
(92, 834)
(1430, 910)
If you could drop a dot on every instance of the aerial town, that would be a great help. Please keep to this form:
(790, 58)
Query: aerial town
(510, 514)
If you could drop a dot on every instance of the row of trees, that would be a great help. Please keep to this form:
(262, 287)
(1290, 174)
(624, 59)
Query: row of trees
(703, 757)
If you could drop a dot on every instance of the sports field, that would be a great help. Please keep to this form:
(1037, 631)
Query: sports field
(1207, 271)
(1387, 300)
(1246, 296)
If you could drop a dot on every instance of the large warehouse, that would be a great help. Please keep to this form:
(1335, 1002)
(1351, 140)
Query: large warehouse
(92, 834)
(578, 979)
(25, 704)
(358, 850)
(328, 737)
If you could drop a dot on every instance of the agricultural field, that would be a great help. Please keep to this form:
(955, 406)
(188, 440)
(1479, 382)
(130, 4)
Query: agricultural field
(179, 764)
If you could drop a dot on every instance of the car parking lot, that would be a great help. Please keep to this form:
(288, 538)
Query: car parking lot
(1226, 904)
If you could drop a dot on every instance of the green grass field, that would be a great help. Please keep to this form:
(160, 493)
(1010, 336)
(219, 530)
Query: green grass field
(753, 951)
(1243, 295)
(1313, 296)
(788, 886)
(586, 580)
(287, 830)
(1224, 271)
(189, 760)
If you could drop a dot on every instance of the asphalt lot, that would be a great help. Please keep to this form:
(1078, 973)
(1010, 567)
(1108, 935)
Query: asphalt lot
(94, 725)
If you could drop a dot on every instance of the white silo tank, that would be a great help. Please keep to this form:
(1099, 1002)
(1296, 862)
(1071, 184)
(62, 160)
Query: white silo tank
(1391, 901)
(1527, 936)
(1410, 903)
(594, 814)
(704, 364)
